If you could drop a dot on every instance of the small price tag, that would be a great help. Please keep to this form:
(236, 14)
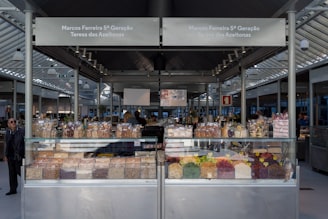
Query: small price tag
(137, 143)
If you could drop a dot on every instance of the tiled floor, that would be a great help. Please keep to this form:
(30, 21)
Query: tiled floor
(313, 195)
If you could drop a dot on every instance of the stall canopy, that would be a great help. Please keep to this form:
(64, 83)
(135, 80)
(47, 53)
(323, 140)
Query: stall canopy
(155, 67)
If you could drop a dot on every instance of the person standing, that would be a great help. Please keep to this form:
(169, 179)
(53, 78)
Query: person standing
(140, 120)
(14, 153)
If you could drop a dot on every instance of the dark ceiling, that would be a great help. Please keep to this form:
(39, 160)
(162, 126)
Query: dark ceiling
(121, 61)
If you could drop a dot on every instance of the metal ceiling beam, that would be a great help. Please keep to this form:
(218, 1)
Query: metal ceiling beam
(70, 60)
(162, 49)
(163, 79)
(248, 61)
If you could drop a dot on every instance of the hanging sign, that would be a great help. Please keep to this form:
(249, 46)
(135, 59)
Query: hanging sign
(224, 32)
(71, 31)
(226, 100)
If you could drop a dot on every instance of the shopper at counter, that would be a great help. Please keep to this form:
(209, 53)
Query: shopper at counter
(129, 118)
(140, 120)
(14, 152)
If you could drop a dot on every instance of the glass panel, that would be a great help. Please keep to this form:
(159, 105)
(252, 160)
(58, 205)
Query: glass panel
(87, 158)
(221, 158)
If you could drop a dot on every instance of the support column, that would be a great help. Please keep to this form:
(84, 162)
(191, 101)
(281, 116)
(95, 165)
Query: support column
(98, 97)
(111, 102)
(40, 104)
(220, 96)
(291, 74)
(207, 106)
(28, 72)
(57, 107)
(279, 96)
(15, 100)
(243, 97)
(76, 94)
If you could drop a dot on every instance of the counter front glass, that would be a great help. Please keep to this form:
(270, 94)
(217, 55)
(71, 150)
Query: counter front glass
(230, 158)
(62, 159)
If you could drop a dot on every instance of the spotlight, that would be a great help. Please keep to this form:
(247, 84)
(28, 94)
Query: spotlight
(224, 63)
(89, 58)
(243, 50)
(18, 55)
(84, 53)
(230, 58)
(51, 71)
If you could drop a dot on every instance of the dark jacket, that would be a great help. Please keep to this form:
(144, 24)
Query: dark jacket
(15, 144)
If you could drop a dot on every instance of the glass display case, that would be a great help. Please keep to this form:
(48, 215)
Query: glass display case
(104, 175)
(207, 176)
(229, 158)
(190, 178)
(319, 147)
(107, 158)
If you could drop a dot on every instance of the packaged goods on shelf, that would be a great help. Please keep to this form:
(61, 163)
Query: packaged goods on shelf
(92, 130)
(87, 163)
(208, 130)
(243, 171)
(45, 154)
(60, 155)
(67, 173)
(44, 128)
(178, 131)
(100, 173)
(48, 129)
(51, 171)
(132, 168)
(76, 155)
(280, 125)
(82, 173)
(148, 167)
(276, 171)
(280, 128)
(127, 130)
(225, 169)
(175, 171)
(116, 168)
(191, 171)
(33, 173)
(239, 166)
(240, 131)
(258, 128)
(208, 170)
(71, 163)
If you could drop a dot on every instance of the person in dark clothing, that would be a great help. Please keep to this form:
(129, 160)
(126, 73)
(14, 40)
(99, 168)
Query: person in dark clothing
(14, 153)
(140, 120)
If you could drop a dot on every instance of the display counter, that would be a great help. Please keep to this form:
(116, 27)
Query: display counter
(230, 178)
(256, 179)
(90, 178)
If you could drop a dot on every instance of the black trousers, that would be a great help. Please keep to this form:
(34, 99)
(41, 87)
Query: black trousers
(14, 170)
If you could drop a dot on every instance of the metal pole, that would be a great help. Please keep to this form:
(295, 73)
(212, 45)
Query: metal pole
(207, 106)
(76, 94)
(243, 97)
(40, 105)
(57, 103)
(291, 74)
(15, 100)
(279, 96)
(29, 73)
(98, 97)
(220, 96)
(111, 102)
